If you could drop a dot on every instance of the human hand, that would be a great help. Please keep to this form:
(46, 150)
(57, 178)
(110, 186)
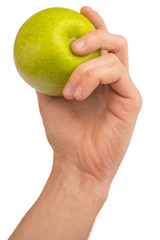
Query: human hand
(90, 131)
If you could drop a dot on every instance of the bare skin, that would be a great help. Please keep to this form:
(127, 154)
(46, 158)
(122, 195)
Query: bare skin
(89, 130)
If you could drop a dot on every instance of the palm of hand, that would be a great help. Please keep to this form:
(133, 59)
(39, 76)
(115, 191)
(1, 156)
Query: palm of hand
(84, 132)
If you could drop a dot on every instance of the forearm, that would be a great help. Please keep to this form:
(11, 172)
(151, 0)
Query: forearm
(66, 209)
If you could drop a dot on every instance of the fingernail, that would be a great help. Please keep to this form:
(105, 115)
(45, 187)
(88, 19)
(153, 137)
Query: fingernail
(79, 43)
(78, 91)
(68, 89)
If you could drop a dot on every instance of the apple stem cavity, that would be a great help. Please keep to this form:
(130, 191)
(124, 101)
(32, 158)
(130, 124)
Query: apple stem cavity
(71, 40)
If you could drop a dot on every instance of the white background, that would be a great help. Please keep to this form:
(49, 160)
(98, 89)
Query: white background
(132, 210)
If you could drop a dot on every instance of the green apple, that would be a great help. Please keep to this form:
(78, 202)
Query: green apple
(42, 49)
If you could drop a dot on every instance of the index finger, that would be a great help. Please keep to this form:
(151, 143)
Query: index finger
(115, 43)
(94, 17)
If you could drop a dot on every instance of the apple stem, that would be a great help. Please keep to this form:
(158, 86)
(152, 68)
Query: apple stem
(71, 40)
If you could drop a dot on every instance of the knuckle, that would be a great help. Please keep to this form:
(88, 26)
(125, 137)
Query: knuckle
(113, 57)
(117, 66)
(80, 70)
(138, 101)
(91, 73)
(119, 69)
(123, 42)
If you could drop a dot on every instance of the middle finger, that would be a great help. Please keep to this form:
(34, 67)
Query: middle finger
(100, 39)
(84, 67)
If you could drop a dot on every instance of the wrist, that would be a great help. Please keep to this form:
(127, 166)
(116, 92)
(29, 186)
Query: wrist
(66, 177)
